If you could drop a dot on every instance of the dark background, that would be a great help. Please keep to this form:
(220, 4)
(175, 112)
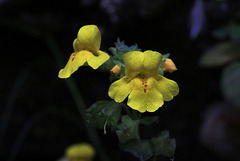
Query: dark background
(39, 118)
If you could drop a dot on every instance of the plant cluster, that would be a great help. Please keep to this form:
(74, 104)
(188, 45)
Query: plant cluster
(134, 74)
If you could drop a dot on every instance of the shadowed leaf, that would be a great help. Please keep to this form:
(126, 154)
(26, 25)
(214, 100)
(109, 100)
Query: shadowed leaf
(220, 55)
(104, 113)
(163, 145)
(140, 149)
(149, 120)
(231, 84)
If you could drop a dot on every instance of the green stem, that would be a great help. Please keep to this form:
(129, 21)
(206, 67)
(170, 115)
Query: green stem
(16, 88)
(127, 110)
(136, 115)
(155, 157)
(51, 43)
(77, 97)
(21, 137)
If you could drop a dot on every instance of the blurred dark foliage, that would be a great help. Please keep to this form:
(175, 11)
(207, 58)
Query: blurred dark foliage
(44, 120)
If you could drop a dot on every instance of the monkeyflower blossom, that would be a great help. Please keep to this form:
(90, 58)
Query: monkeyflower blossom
(86, 51)
(145, 87)
(80, 152)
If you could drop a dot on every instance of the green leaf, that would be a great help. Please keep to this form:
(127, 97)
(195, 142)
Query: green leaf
(107, 66)
(122, 74)
(117, 62)
(140, 149)
(230, 83)
(149, 120)
(129, 139)
(220, 54)
(117, 59)
(128, 129)
(163, 145)
(104, 114)
(231, 30)
(121, 48)
(165, 56)
(161, 72)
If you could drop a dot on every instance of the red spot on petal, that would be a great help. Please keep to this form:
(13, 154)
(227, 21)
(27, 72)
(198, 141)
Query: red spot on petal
(73, 56)
(145, 90)
(145, 85)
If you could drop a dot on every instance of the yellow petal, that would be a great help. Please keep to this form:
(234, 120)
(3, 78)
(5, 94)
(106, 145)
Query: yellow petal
(89, 38)
(152, 60)
(96, 61)
(133, 60)
(145, 96)
(75, 61)
(147, 62)
(168, 88)
(80, 151)
(120, 89)
(76, 46)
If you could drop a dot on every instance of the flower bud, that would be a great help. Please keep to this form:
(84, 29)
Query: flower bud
(116, 70)
(169, 66)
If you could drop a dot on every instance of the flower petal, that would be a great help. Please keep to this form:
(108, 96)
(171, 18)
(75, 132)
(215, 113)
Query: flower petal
(76, 60)
(78, 151)
(133, 63)
(147, 62)
(96, 61)
(120, 89)
(145, 96)
(152, 60)
(76, 46)
(89, 38)
(167, 87)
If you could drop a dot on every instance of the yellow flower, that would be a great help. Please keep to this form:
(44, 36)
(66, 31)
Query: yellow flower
(86, 51)
(147, 89)
(169, 66)
(80, 152)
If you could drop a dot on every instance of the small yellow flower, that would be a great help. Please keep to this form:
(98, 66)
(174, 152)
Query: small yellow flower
(116, 70)
(80, 152)
(169, 66)
(86, 51)
(147, 89)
